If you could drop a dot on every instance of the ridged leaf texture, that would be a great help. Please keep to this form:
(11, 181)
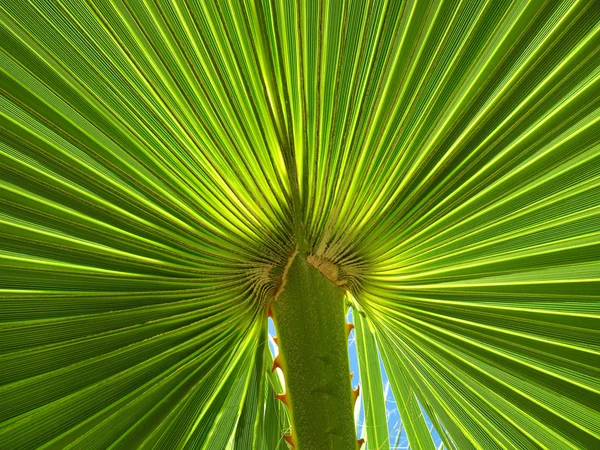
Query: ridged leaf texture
(443, 158)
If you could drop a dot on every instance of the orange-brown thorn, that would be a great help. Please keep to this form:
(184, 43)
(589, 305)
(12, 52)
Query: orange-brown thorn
(289, 439)
(360, 442)
(276, 340)
(283, 398)
(270, 312)
(276, 363)
(349, 328)
(355, 394)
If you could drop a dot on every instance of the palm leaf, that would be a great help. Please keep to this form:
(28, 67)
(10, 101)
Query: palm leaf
(160, 161)
(371, 385)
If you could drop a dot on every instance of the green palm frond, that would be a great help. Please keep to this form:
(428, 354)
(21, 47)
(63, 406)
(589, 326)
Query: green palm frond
(160, 162)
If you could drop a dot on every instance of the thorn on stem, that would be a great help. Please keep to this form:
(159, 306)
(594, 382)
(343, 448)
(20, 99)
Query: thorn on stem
(289, 440)
(355, 394)
(360, 442)
(283, 399)
(276, 363)
(349, 328)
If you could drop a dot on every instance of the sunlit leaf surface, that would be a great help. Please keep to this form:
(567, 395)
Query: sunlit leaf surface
(445, 156)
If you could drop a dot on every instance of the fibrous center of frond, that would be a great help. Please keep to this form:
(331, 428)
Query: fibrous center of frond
(269, 280)
(344, 276)
(283, 280)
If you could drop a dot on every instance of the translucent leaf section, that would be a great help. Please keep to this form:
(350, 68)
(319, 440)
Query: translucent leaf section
(159, 162)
